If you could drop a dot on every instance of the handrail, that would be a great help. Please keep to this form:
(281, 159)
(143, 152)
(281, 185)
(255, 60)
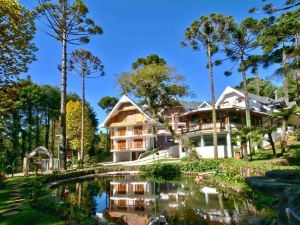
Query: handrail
(290, 212)
(147, 153)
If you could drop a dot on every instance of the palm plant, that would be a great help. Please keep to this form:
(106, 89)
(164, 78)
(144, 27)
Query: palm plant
(284, 115)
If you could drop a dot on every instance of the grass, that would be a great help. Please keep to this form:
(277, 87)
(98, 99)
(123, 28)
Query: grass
(27, 215)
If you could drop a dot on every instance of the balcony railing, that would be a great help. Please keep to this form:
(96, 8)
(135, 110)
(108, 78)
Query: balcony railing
(130, 133)
(130, 145)
(204, 126)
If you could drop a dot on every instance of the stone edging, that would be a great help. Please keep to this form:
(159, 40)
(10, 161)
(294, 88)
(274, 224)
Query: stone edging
(57, 182)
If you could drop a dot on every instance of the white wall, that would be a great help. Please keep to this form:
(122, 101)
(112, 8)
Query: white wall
(208, 152)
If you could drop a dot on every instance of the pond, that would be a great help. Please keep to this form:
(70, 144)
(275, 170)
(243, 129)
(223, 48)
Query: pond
(130, 200)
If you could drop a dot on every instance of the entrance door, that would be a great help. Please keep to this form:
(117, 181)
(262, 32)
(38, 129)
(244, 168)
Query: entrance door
(133, 156)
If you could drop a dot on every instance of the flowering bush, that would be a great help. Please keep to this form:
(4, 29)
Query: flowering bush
(2, 179)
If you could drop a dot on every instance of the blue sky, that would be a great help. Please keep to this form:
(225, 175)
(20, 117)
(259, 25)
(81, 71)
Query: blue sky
(137, 28)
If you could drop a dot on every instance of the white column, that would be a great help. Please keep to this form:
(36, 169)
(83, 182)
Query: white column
(114, 157)
(228, 139)
(202, 141)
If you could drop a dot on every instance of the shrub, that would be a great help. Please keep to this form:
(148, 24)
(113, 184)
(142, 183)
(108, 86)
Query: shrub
(199, 166)
(161, 171)
(2, 179)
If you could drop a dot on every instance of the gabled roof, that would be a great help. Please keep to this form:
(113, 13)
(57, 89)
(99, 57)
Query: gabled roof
(261, 99)
(204, 105)
(189, 106)
(123, 99)
(227, 91)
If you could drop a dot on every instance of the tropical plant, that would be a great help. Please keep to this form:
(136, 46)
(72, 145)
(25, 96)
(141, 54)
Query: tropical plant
(283, 116)
(68, 24)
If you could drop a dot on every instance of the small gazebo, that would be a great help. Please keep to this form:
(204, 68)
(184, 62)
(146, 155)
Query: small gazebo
(39, 150)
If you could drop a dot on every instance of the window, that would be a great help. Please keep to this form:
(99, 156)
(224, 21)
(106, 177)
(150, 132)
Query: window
(122, 131)
(138, 143)
(222, 139)
(235, 118)
(138, 130)
(121, 144)
(195, 141)
(139, 189)
(208, 140)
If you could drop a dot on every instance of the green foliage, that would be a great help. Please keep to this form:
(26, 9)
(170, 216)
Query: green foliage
(199, 166)
(167, 171)
(160, 171)
(42, 199)
(150, 59)
(74, 126)
(84, 63)
(266, 88)
(68, 21)
(107, 103)
(157, 86)
(283, 6)
(16, 36)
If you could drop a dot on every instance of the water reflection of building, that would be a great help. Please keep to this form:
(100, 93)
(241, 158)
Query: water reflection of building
(138, 203)
(131, 201)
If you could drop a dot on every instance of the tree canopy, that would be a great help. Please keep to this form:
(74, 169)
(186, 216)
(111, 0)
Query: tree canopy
(157, 86)
(16, 40)
(107, 103)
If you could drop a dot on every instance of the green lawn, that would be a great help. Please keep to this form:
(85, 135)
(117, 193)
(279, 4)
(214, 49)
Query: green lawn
(27, 215)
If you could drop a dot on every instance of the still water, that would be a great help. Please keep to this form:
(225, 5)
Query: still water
(130, 200)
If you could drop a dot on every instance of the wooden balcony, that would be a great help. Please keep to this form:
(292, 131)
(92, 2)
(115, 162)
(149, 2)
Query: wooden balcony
(123, 145)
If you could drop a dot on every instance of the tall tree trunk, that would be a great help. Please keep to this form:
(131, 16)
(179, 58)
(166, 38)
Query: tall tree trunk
(63, 133)
(212, 92)
(257, 82)
(297, 71)
(283, 136)
(37, 131)
(47, 130)
(247, 108)
(15, 132)
(23, 143)
(272, 142)
(29, 134)
(82, 118)
(52, 136)
(286, 82)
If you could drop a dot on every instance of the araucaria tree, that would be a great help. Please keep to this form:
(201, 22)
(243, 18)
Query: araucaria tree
(282, 37)
(84, 63)
(156, 85)
(16, 35)
(67, 23)
(242, 41)
(107, 103)
(209, 33)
